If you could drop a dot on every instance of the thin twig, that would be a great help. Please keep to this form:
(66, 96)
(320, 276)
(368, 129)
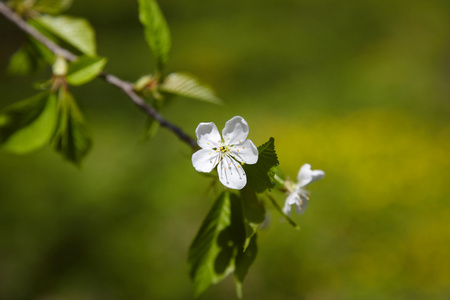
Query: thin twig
(125, 86)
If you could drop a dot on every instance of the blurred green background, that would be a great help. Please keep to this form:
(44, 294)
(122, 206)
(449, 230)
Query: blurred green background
(359, 89)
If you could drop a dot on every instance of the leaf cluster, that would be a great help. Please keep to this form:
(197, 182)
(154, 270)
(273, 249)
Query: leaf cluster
(52, 116)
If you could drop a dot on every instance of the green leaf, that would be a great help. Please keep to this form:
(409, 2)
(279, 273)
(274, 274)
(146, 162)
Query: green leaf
(29, 58)
(52, 7)
(21, 63)
(41, 52)
(156, 31)
(151, 125)
(243, 262)
(72, 138)
(84, 69)
(253, 211)
(186, 85)
(75, 31)
(260, 175)
(28, 125)
(221, 236)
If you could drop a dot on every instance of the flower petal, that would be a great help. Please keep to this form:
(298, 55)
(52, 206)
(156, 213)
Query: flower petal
(304, 201)
(207, 135)
(204, 160)
(306, 175)
(245, 152)
(235, 130)
(317, 175)
(231, 174)
(292, 199)
(300, 209)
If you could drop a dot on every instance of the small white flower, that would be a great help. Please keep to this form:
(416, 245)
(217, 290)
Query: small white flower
(228, 154)
(297, 195)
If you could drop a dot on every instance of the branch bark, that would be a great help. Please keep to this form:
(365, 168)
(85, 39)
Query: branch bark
(125, 86)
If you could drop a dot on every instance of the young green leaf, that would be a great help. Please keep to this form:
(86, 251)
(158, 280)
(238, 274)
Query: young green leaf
(75, 31)
(52, 7)
(72, 139)
(28, 125)
(186, 85)
(156, 31)
(151, 125)
(29, 58)
(204, 249)
(260, 175)
(21, 63)
(84, 69)
(243, 262)
(221, 236)
(41, 52)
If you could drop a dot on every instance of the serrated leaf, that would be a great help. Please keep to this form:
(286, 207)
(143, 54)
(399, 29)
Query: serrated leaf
(28, 125)
(52, 6)
(186, 85)
(72, 138)
(75, 31)
(243, 262)
(213, 251)
(204, 249)
(156, 31)
(260, 175)
(84, 69)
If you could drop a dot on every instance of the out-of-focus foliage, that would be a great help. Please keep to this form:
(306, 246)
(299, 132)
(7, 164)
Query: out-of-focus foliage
(84, 69)
(157, 33)
(186, 85)
(75, 31)
(357, 88)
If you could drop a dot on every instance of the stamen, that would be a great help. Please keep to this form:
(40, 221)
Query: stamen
(243, 147)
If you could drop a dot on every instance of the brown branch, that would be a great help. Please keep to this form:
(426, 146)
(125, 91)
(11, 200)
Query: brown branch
(126, 87)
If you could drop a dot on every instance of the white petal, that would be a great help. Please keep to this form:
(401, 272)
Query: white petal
(303, 202)
(245, 152)
(235, 131)
(300, 209)
(292, 199)
(317, 175)
(231, 174)
(204, 160)
(306, 175)
(207, 135)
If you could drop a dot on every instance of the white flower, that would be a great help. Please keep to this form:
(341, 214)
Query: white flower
(297, 195)
(228, 154)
